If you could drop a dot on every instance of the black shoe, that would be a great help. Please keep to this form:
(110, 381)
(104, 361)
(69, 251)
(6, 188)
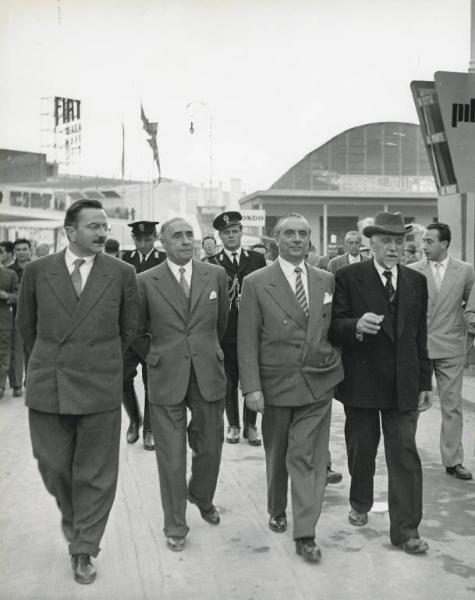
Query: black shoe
(17, 393)
(333, 476)
(148, 441)
(175, 544)
(133, 432)
(84, 571)
(357, 519)
(232, 436)
(251, 435)
(211, 515)
(414, 546)
(308, 550)
(459, 471)
(278, 524)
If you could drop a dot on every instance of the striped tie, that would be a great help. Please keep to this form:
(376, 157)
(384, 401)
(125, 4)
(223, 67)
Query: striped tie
(76, 275)
(184, 282)
(390, 291)
(300, 291)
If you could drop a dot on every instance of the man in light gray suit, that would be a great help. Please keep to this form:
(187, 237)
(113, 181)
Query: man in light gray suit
(288, 372)
(352, 255)
(184, 310)
(449, 283)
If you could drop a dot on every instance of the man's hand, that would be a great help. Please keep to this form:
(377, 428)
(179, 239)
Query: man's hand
(425, 401)
(3, 295)
(255, 401)
(369, 324)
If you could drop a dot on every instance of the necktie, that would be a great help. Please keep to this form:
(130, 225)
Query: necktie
(300, 291)
(437, 276)
(183, 282)
(390, 291)
(76, 275)
(235, 262)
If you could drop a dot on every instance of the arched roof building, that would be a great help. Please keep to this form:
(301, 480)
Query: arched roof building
(365, 169)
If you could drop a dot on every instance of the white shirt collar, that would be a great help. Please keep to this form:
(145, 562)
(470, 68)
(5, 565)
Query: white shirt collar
(70, 257)
(289, 269)
(443, 263)
(353, 259)
(229, 254)
(381, 270)
(175, 269)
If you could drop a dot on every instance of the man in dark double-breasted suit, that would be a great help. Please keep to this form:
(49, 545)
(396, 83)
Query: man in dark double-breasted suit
(144, 257)
(380, 323)
(238, 263)
(184, 309)
(77, 313)
(288, 372)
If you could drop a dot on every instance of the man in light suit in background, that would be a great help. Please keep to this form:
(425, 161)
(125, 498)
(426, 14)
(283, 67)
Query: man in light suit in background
(449, 283)
(288, 372)
(352, 254)
(184, 310)
(77, 313)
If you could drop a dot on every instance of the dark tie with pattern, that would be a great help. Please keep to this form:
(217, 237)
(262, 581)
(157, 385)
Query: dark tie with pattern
(300, 291)
(184, 282)
(76, 275)
(235, 261)
(390, 291)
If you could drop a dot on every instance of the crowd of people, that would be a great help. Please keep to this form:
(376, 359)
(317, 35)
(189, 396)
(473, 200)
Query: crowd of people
(372, 327)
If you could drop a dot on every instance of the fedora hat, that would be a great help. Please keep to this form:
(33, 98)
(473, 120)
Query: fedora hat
(389, 223)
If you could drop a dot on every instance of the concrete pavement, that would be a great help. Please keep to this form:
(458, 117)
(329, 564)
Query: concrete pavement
(242, 558)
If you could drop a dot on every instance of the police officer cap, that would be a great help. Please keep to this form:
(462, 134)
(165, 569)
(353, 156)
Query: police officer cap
(226, 219)
(143, 227)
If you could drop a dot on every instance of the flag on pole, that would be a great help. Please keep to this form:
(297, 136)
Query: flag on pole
(151, 129)
(123, 152)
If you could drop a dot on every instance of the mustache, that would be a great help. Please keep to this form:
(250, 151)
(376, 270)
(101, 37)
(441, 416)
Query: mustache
(100, 240)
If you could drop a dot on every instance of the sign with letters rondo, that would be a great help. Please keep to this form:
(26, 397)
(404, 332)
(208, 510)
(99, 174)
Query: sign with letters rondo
(456, 94)
(253, 219)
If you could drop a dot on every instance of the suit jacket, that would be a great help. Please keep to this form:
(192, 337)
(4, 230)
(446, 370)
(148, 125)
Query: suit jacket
(176, 334)
(132, 257)
(76, 345)
(341, 261)
(280, 351)
(323, 261)
(389, 366)
(470, 322)
(249, 262)
(446, 328)
(8, 284)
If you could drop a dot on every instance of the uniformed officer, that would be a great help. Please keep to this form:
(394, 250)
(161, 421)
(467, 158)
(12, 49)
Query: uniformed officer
(144, 257)
(238, 263)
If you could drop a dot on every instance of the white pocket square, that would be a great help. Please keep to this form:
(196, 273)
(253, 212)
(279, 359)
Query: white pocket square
(212, 295)
(327, 298)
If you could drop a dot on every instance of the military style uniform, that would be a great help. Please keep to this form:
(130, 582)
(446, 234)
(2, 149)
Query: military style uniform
(249, 261)
(131, 358)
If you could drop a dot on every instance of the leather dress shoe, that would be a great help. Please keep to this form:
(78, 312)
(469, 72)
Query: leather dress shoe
(84, 571)
(17, 393)
(175, 544)
(278, 524)
(232, 436)
(133, 432)
(357, 519)
(308, 550)
(211, 515)
(252, 436)
(414, 546)
(333, 476)
(459, 471)
(148, 441)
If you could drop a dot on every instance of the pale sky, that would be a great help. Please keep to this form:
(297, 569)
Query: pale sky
(279, 77)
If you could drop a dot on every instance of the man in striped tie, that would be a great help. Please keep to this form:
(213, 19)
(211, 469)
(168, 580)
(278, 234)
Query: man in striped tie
(288, 372)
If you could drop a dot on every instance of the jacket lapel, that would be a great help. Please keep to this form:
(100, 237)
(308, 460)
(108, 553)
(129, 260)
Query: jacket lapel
(199, 279)
(165, 286)
(405, 293)
(281, 293)
(372, 292)
(243, 261)
(97, 282)
(447, 281)
(61, 284)
(316, 291)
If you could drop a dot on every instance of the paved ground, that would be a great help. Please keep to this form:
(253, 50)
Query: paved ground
(240, 559)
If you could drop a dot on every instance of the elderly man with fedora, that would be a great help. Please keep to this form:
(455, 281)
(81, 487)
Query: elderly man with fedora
(380, 323)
